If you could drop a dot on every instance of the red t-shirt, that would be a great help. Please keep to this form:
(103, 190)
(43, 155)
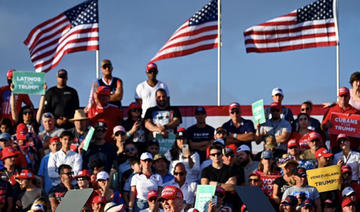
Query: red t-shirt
(5, 110)
(336, 109)
(111, 115)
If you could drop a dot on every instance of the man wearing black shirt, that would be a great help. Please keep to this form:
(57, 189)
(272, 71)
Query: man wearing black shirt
(218, 173)
(200, 134)
(162, 118)
(62, 101)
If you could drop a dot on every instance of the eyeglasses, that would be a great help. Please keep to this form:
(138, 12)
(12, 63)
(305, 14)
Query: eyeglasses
(235, 111)
(305, 109)
(179, 173)
(101, 129)
(107, 66)
(253, 180)
(131, 149)
(293, 147)
(68, 173)
(153, 199)
(215, 154)
(119, 133)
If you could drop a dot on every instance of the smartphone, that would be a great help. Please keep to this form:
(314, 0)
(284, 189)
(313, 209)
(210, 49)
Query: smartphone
(185, 148)
(214, 199)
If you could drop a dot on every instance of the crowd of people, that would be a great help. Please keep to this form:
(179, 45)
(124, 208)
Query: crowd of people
(44, 153)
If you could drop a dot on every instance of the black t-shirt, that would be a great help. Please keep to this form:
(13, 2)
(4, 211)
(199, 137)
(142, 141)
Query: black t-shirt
(105, 152)
(157, 115)
(61, 102)
(58, 192)
(197, 134)
(6, 191)
(219, 175)
(239, 173)
(283, 185)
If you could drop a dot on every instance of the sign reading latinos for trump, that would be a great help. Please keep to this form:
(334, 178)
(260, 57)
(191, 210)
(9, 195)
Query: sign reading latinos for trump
(165, 143)
(348, 124)
(204, 193)
(258, 111)
(29, 82)
(324, 179)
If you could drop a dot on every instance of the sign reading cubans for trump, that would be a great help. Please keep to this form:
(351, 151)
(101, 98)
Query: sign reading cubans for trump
(29, 82)
(348, 124)
(324, 179)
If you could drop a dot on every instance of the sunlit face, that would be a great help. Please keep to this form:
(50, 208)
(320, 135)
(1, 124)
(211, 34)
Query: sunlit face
(305, 108)
(80, 124)
(180, 173)
(66, 142)
(356, 84)
(136, 167)
(345, 144)
(161, 98)
(180, 142)
(278, 98)
(83, 182)
(254, 181)
(235, 114)
(172, 205)
(49, 123)
(343, 100)
(10, 161)
(216, 155)
(27, 116)
(55, 146)
(4, 128)
(107, 69)
(303, 122)
(61, 81)
(103, 183)
(146, 164)
(24, 183)
(66, 176)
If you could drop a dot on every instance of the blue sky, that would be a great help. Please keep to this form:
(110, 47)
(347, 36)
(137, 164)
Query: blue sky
(131, 32)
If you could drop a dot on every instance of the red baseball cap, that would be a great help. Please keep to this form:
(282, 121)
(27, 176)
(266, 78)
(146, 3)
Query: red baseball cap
(25, 174)
(234, 105)
(314, 135)
(275, 105)
(8, 152)
(151, 66)
(54, 139)
(84, 173)
(134, 105)
(21, 131)
(323, 152)
(10, 73)
(347, 201)
(220, 189)
(103, 90)
(152, 193)
(292, 142)
(346, 169)
(342, 136)
(99, 199)
(171, 192)
(343, 91)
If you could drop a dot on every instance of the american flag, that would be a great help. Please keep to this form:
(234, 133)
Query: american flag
(76, 29)
(310, 26)
(196, 34)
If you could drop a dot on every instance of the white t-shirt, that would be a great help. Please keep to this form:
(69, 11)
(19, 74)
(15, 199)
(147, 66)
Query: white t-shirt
(147, 94)
(188, 190)
(144, 185)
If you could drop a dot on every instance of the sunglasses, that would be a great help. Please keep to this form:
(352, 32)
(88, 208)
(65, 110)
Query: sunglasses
(293, 147)
(253, 180)
(119, 133)
(216, 154)
(48, 115)
(107, 66)
(235, 111)
(153, 199)
(179, 173)
(101, 129)
(82, 178)
(27, 112)
(68, 173)
(152, 71)
(305, 109)
(130, 149)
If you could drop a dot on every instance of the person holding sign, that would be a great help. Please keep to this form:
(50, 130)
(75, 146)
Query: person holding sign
(5, 93)
(347, 156)
(240, 130)
(342, 106)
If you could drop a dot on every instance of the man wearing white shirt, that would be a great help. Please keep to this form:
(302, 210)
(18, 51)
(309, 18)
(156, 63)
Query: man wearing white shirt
(347, 156)
(64, 156)
(145, 91)
(188, 188)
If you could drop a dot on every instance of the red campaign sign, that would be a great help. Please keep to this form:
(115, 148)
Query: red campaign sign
(267, 183)
(348, 124)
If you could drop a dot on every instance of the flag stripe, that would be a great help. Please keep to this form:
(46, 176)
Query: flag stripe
(316, 29)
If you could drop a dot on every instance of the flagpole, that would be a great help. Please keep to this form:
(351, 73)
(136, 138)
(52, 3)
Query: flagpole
(335, 6)
(219, 54)
(97, 64)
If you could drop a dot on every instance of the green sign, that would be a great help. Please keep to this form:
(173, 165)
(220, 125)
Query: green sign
(204, 193)
(88, 138)
(29, 82)
(258, 111)
(165, 143)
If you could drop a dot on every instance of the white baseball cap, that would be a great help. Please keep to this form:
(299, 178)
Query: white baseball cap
(145, 156)
(103, 175)
(243, 148)
(347, 191)
(277, 91)
(220, 141)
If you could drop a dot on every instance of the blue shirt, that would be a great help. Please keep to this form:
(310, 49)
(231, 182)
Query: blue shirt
(246, 126)
(43, 171)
